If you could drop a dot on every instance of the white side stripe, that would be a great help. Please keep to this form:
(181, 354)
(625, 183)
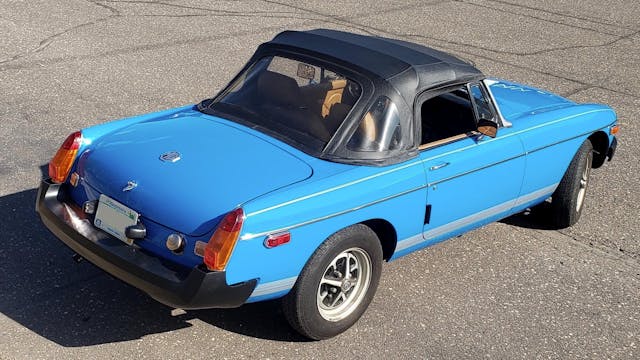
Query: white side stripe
(274, 286)
(460, 223)
(286, 284)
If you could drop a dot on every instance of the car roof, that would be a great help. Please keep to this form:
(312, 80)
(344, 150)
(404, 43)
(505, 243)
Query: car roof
(401, 63)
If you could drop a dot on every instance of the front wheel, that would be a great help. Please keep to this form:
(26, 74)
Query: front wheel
(336, 285)
(568, 199)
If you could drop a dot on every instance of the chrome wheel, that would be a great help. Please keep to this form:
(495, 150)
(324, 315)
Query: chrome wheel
(584, 181)
(337, 283)
(344, 284)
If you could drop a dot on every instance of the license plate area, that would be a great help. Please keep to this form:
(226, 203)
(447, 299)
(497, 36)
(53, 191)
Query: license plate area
(114, 217)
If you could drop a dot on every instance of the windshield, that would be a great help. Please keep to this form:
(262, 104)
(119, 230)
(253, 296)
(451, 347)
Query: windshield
(300, 102)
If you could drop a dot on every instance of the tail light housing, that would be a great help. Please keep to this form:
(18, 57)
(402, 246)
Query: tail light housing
(218, 251)
(60, 164)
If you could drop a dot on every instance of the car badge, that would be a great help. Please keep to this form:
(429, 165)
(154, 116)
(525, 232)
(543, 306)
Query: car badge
(130, 186)
(170, 156)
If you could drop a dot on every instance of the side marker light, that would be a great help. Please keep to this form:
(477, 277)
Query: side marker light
(277, 239)
(614, 129)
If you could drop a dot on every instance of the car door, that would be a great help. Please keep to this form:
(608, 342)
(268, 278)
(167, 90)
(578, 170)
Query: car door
(472, 179)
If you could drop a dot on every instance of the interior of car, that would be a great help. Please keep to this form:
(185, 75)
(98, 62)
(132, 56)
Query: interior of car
(302, 102)
(447, 116)
(316, 108)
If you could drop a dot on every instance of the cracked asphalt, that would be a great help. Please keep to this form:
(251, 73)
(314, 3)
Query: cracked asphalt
(512, 289)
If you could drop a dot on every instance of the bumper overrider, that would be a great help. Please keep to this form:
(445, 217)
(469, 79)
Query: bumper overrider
(197, 289)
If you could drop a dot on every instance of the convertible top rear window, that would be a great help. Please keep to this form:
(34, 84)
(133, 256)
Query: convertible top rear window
(300, 102)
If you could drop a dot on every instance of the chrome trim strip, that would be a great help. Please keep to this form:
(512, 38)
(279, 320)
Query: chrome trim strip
(250, 236)
(518, 133)
(287, 283)
(420, 161)
(460, 223)
(514, 157)
(274, 287)
(334, 188)
(559, 142)
(473, 170)
(557, 121)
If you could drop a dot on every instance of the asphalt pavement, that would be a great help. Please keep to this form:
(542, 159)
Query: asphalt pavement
(513, 289)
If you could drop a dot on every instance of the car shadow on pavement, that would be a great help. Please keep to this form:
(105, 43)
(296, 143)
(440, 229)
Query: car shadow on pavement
(44, 290)
(536, 217)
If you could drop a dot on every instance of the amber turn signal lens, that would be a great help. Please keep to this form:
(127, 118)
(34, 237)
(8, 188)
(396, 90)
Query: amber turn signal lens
(614, 129)
(61, 163)
(218, 250)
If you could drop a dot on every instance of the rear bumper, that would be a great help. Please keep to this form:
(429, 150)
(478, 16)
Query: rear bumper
(195, 289)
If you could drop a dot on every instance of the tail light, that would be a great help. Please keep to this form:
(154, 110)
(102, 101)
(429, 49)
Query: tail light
(61, 163)
(218, 250)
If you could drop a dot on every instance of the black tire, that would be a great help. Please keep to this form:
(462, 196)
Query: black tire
(567, 201)
(319, 310)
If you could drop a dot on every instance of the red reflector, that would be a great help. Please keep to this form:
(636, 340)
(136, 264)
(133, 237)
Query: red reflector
(232, 222)
(72, 142)
(276, 240)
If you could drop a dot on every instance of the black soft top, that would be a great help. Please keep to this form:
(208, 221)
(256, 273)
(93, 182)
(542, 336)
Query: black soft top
(385, 70)
(410, 67)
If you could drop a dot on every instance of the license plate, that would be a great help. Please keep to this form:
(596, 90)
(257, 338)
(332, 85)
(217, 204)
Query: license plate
(114, 218)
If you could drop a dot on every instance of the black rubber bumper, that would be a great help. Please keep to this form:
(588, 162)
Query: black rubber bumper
(194, 289)
(612, 148)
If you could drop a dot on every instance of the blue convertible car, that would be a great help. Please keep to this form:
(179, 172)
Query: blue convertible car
(328, 154)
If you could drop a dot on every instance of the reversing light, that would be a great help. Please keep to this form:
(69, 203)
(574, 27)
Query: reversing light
(218, 250)
(61, 163)
(175, 242)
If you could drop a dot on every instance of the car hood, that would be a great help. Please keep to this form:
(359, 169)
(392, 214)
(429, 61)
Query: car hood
(515, 100)
(221, 166)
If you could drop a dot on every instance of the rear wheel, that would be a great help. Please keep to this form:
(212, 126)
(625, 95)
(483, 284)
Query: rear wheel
(568, 199)
(337, 284)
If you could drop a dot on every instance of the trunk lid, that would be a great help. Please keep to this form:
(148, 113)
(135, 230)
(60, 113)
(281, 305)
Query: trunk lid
(220, 167)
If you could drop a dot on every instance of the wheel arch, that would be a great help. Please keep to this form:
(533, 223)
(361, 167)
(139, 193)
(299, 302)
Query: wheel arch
(600, 142)
(387, 235)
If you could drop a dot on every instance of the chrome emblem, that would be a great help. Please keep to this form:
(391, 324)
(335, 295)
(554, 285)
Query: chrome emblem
(170, 156)
(130, 186)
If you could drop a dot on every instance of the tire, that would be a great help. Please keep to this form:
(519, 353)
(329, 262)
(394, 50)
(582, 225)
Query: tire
(327, 299)
(567, 201)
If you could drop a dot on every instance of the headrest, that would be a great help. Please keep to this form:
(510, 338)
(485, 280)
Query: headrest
(336, 116)
(279, 89)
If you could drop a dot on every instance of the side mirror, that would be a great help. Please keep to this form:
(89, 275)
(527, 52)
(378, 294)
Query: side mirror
(488, 128)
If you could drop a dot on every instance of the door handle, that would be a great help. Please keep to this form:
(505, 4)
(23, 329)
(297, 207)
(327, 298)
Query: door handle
(439, 166)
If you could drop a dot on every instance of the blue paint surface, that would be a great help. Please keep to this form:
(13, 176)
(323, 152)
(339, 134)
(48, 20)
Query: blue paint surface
(224, 165)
